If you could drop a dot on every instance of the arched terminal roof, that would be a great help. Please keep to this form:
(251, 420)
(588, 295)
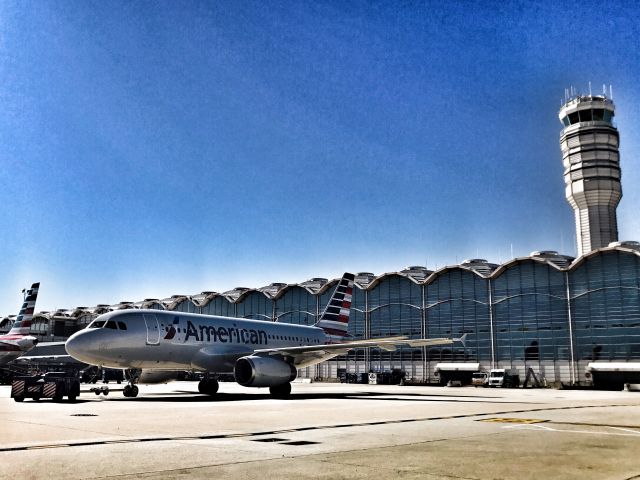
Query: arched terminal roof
(549, 257)
(363, 280)
(628, 247)
(203, 298)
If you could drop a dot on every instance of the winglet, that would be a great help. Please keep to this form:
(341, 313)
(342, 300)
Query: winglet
(462, 339)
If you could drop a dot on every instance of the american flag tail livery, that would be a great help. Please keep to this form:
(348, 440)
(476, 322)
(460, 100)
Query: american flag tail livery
(335, 318)
(22, 325)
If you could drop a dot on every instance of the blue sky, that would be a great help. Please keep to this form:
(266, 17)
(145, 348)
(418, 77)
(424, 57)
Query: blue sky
(154, 148)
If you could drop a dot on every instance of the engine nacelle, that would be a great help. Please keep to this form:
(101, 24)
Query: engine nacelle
(26, 343)
(255, 371)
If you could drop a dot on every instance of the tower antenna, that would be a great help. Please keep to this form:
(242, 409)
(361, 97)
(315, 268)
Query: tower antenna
(590, 89)
(610, 91)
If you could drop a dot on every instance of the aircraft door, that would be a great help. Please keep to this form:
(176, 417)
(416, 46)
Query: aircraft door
(153, 329)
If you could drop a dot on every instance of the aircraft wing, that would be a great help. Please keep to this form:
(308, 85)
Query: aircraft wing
(306, 355)
(42, 358)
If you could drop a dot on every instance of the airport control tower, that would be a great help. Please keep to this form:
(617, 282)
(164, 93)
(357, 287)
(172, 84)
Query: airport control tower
(589, 143)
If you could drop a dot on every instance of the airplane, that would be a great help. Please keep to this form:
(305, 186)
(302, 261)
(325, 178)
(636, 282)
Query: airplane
(19, 341)
(258, 353)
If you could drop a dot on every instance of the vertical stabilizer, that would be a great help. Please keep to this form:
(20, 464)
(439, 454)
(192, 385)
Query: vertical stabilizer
(22, 325)
(335, 318)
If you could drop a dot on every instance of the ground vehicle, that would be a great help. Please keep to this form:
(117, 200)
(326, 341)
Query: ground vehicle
(503, 377)
(479, 379)
(49, 385)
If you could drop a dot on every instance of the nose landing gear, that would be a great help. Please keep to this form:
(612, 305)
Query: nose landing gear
(131, 389)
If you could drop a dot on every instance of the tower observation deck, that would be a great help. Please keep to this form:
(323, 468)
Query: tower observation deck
(589, 143)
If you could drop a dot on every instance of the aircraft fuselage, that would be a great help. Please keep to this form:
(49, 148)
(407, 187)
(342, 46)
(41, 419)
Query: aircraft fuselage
(156, 339)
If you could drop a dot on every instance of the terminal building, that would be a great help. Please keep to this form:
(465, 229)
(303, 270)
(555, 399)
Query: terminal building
(549, 312)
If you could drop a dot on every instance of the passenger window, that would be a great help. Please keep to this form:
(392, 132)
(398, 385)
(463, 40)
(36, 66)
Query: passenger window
(111, 324)
(122, 325)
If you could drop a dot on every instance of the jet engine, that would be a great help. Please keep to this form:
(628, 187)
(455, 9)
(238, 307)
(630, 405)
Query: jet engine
(255, 371)
(26, 343)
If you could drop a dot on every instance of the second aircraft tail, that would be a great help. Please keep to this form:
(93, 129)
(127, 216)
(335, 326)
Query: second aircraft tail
(22, 325)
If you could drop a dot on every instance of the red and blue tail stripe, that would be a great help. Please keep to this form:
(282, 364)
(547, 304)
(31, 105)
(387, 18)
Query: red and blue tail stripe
(335, 318)
(22, 325)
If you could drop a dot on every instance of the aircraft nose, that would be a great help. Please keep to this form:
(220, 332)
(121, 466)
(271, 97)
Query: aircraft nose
(79, 346)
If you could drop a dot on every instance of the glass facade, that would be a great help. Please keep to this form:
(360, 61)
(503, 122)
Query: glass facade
(296, 305)
(457, 302)
(605, 307)
(395, 309)
(255, 305)
(530, 313)
(219, 305)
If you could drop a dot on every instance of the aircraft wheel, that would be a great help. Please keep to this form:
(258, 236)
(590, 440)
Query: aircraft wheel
(202, 386)
(74, 393)
(126, 391)
(280, 391)
(208, 387)
(57, 397)
(212, 386)
(134, 391)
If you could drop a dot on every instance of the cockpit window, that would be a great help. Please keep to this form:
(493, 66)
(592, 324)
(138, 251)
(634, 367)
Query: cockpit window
(96, 324)
(111, 324)
(122, 325)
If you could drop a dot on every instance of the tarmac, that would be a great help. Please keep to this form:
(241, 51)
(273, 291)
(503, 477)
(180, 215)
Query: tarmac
(324, 431)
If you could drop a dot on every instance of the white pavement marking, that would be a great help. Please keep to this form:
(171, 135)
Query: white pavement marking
(588, 432)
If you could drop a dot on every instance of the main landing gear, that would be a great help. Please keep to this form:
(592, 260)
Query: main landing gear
(131, 389)
(208, 386)
(280, 391)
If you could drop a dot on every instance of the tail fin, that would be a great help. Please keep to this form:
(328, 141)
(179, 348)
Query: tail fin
(335, 318)
(22, 325)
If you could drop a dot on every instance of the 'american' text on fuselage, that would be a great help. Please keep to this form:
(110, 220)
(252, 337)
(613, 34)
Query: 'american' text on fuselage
(225, 334)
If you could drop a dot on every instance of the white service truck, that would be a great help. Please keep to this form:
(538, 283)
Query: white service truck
(504, 377)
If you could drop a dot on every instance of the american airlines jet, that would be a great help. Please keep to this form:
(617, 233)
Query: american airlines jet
(19, 340)
(258, 353)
